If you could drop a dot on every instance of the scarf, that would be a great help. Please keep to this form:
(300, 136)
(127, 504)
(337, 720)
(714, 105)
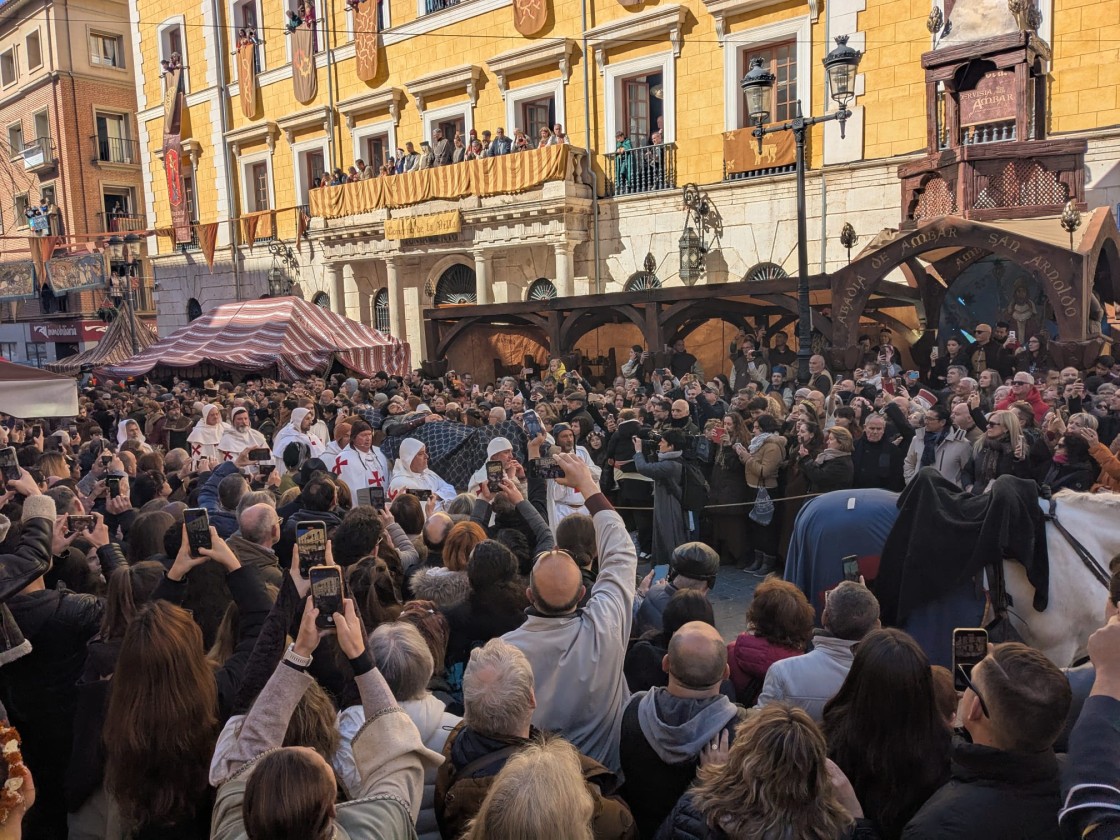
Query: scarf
(757, 441)
(988, 458)
(828, 455)
(931, 441)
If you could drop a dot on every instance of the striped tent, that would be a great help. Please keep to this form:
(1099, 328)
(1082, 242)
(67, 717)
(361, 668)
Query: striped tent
(287, 336)
(114, 346)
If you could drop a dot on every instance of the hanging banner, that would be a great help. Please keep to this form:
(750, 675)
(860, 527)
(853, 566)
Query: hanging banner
(367, 39)
(207, 240)
(172, 157)
(305, 81)
(740, 150)
(17, 280)
(247, 79)
(76, 272)
(433, 224)
(249, 229)
(530, 16)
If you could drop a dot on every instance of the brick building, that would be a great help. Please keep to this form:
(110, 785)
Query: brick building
(67, 139)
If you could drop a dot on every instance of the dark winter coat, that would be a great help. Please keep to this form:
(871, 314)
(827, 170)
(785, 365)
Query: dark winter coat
(749, 658)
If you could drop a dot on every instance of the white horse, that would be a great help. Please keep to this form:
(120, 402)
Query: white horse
(1075, 607)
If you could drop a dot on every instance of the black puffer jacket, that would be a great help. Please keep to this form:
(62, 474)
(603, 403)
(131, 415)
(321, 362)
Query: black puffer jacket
(685, 822)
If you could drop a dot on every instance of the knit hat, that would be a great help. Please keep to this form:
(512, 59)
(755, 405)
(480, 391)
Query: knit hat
(498, 444)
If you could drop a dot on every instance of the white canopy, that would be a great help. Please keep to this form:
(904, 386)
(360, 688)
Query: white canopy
(30, 392)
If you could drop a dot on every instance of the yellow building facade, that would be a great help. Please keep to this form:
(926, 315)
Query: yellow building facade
(597, 67)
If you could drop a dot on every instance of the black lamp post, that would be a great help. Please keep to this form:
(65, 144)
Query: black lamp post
(692, 245)
(840, 66)
(279, 279)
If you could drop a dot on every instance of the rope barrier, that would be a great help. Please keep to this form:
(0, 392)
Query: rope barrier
(773, 499)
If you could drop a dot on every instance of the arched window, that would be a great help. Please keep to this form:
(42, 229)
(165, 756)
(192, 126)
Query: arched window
(322, 299)
(541, 289)
(641, 281)
(381, 311)
(194, 309)
(765, 271)
(456, 286)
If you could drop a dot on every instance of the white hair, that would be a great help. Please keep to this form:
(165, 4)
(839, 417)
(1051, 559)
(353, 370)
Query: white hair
(497, 689)
(404, 659)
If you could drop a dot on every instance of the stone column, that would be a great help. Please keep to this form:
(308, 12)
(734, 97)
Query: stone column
(351, 304)
(336, 288)
(565, 283)
(482, 275)
(396, 299)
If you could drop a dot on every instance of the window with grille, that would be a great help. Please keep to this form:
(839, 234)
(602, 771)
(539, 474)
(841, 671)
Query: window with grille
(194, 309)
(642, 281)
(456, 286)
(322, 299)
(541, 289)
(781, 60)
(188, 194)
(381, 311)
(107, 50)
(258, 178)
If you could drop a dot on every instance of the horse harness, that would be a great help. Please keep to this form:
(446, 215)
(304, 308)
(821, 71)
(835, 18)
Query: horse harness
(1083, 554)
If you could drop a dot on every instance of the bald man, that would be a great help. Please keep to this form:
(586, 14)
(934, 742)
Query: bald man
(577, 654)
(664, 730)
(680, 417)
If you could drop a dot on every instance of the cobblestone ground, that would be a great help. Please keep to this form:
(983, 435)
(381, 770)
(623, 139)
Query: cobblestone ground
(733, 592)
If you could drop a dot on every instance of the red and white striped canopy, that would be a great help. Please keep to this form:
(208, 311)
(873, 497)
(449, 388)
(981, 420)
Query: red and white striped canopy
(288, 334)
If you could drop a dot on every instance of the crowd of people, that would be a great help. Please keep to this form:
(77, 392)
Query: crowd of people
(526, 646)
(444, 151)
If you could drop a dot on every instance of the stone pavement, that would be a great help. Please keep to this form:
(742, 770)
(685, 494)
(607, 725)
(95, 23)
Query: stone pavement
(730, 598)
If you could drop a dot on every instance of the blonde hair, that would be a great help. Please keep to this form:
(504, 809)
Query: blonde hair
(540, 792)
(53, 465)
(1010, 422)
(775, 782)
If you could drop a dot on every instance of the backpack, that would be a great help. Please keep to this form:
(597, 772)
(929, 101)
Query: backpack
(694, 487)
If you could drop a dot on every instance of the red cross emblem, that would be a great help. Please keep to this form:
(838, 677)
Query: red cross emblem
(196, 450)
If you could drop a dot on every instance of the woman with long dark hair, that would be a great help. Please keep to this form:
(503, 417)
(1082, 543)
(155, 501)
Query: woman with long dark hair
(885, 732)
(167, 703)
(807, 436)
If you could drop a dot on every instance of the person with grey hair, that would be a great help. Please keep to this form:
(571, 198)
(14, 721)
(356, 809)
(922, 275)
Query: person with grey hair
(258, 532)
(851, 611)
(498, 705)
(256, 497)
(497, 415)
(405, 661)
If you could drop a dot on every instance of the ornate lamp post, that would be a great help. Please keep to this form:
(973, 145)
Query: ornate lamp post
(692, 245)
(840, 66)
(280, 279)
(1071, 221)
(848, 239)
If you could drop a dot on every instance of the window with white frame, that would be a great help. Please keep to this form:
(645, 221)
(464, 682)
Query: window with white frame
(784, 48)
(34, 46)
(245, 14)
(8, 74)
(172, 40)
(376, 150)
(15, 139)
(452, 119)
(316, 7)
(257, 174)
(640, 99)
(42, 121)
(535, 107)
(113, 142)
(20, 202)
(311, 163)
(106, 49)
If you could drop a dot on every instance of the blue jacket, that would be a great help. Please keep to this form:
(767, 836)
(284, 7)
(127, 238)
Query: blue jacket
(224, 521)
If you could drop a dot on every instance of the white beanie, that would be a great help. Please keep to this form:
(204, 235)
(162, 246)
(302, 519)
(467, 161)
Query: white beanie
(498, 444)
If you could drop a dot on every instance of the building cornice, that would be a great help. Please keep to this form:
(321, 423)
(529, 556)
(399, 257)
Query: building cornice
(644, 27)
(266, 130)
(552, 53)
(456, 78)
(387, 99)
(310, 118)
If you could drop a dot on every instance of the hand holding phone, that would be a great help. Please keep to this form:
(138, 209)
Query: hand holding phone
(851, 568)
(495, 472)
(326, 593)
(970, 646)
(197, 522)
(311, 537)
(9, 464)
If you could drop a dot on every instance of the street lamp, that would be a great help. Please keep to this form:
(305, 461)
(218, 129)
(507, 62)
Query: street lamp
(279, 279)
(840, 66)
(1071, 220)
(692, 245)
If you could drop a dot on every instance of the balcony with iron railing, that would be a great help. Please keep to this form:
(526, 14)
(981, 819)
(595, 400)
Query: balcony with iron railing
(433, 6)
(642, 170)
(37, 155)
(115, 150)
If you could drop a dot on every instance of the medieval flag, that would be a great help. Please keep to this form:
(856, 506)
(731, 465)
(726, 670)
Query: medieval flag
(172, 155)
(207, 240)
(530, 16)
(247, 78)
(367, 39)
(304, 78)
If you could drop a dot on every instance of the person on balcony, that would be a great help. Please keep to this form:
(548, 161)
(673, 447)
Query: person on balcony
(502, 145)
(389, 167)
(476, 151)
(459, 153)
(520, 141)
(655, 161)
(441, 149)
(558, 136)
(410, 161)
(544, 138)
(427, 158)
(364, 172)
(623, 162)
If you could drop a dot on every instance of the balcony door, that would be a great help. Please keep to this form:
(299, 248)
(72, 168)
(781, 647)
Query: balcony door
(113, 144)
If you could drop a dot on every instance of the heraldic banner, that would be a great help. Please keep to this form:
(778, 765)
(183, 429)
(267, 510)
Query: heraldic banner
(172, 156)
(530, 16)
(247, 79)
(305, 81)
(367, 39)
